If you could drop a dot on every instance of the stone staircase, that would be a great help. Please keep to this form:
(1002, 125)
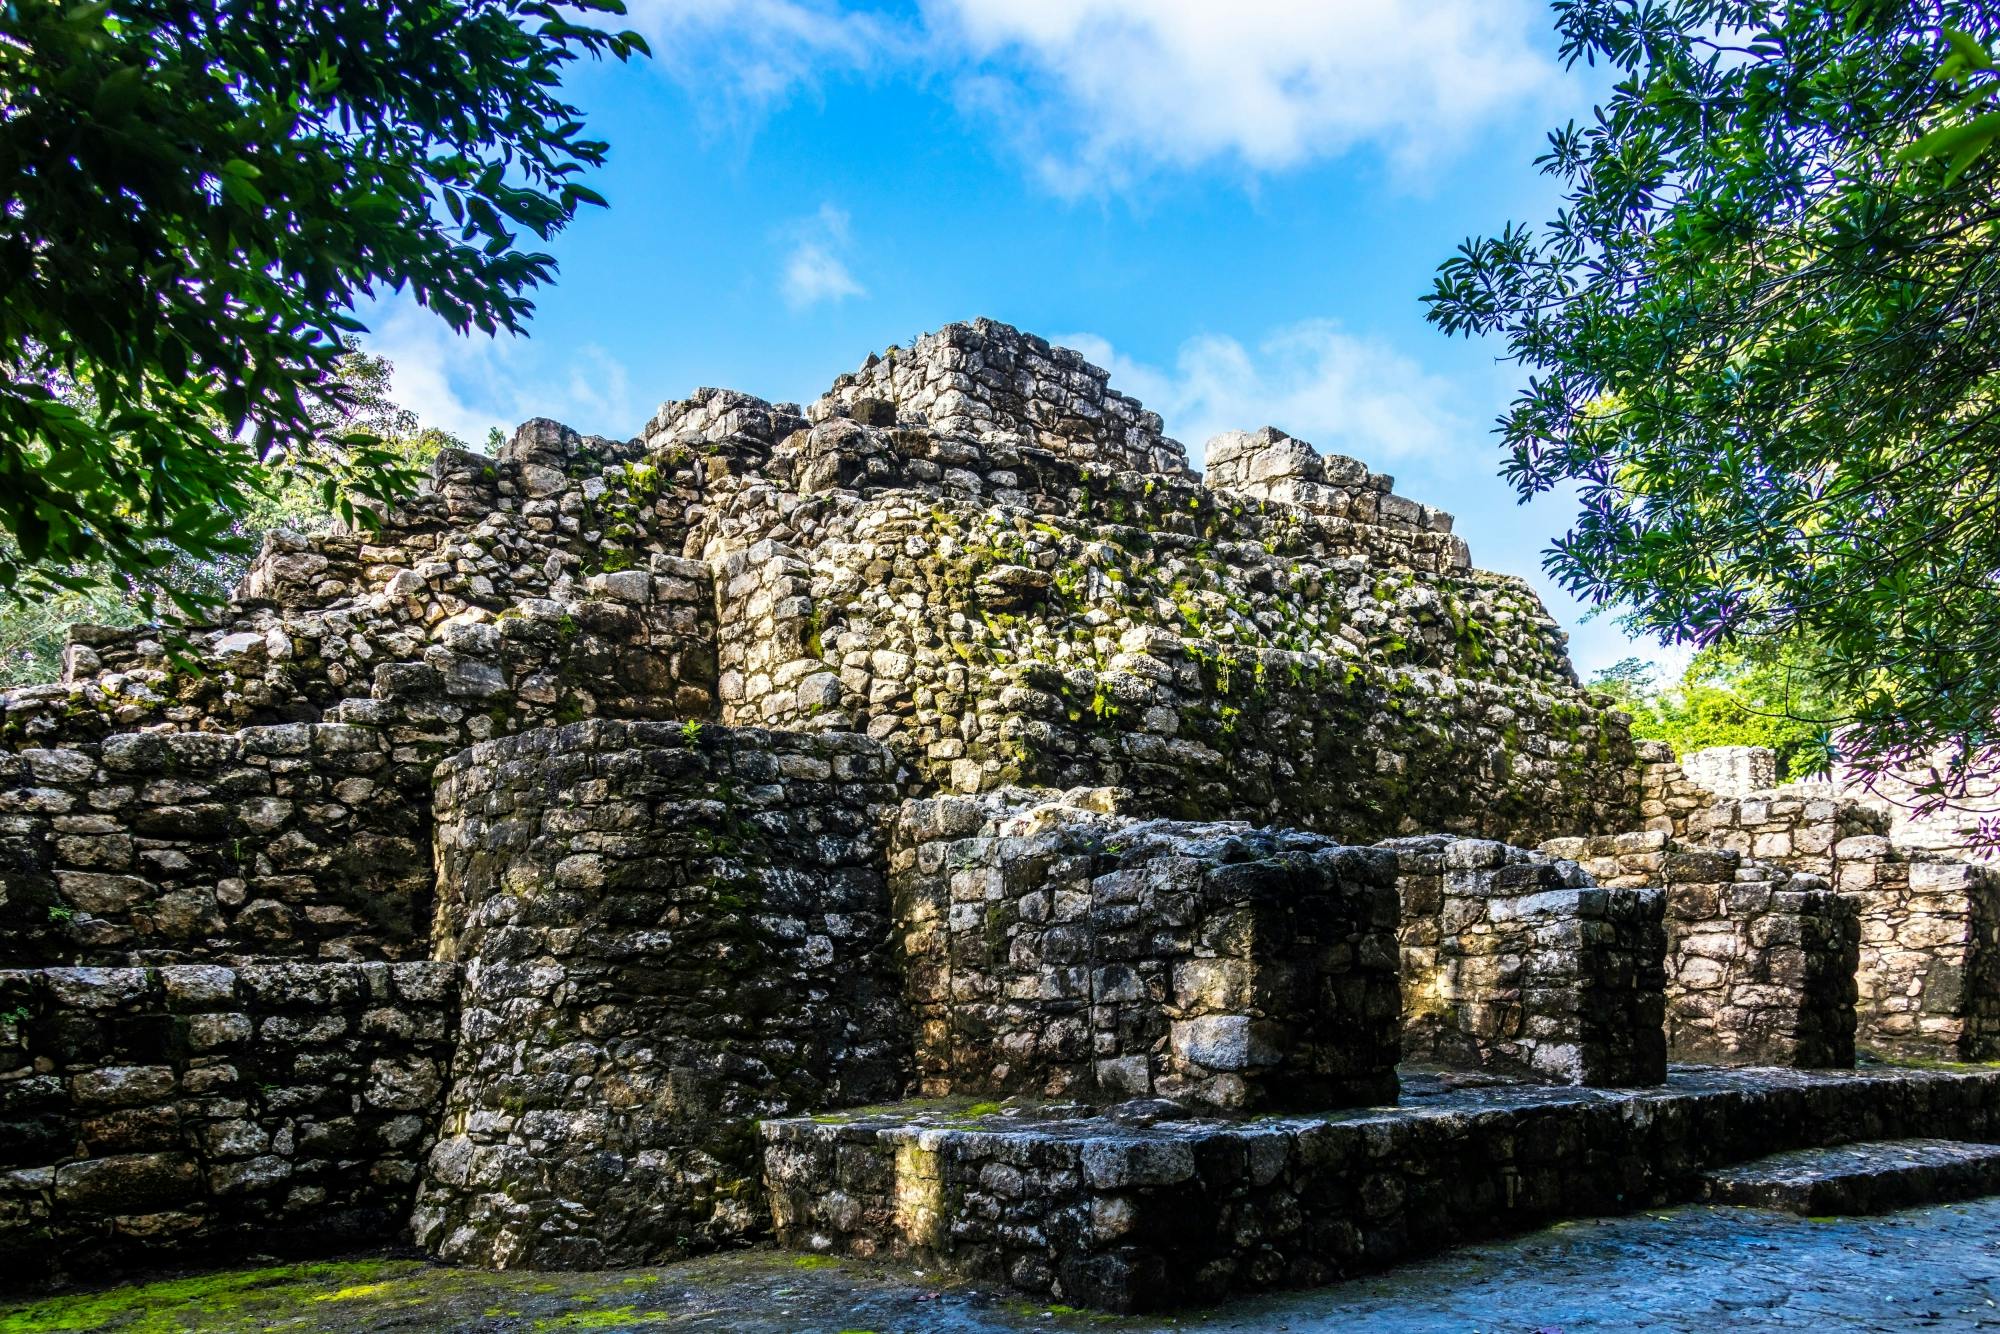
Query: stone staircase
(1144, 1206)
(1871, 1177)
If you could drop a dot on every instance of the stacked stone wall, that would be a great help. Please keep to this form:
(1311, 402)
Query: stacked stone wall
(981, 378)
(667, 933)
(1107, 1213)
(1667, 796)
(1170, 653)
(1271, 465)
(1761, 961)
(1055, 950)
(1928, 978)
(1515, 962)
(774, 671)
(1798, 827)
(155, 847)
(971, 565)
(1930, 951)
(206, 1108)
(545, 585)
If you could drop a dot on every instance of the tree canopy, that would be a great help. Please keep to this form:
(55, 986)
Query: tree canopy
(1729, 698)
(193, 195)
(1762, 337)
(34, 630)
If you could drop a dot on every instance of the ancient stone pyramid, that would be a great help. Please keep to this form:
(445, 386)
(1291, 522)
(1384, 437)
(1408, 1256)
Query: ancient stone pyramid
(498, 871)
(973, 549)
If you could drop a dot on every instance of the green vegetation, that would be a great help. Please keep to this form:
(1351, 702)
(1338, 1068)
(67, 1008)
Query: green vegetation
(192, 199)
(1726, 698)
(1762, 338)
(34, 622)
(240, 1299)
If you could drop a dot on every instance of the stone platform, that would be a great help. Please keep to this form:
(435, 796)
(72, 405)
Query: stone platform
(1139, 1208)
(1867, 1178)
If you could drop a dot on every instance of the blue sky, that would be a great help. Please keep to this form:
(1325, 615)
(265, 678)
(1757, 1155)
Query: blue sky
(1234, 206)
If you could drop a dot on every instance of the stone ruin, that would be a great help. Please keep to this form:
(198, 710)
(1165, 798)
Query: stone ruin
(547, 874)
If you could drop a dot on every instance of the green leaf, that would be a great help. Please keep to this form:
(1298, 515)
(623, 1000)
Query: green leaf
(119, 93)
(1969, 50)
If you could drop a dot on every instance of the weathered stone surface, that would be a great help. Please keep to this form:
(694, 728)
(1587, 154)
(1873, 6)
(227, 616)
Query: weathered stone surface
(1868, 1178)
(1928, 978)
(236, 1100)
(719, 770)
(1515, 961)
(1105, 1212)
(1761, 961)
(1051, 948)
(665, 937)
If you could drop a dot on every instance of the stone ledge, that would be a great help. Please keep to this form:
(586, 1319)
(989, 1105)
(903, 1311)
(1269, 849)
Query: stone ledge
(1869, 1178)
(1128, 1215)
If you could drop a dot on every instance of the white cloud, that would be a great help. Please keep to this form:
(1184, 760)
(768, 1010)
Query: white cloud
(814, 270)
(748, 56)
(1346, 394)
(1095, 92)
(467, 385)
(1104, 86)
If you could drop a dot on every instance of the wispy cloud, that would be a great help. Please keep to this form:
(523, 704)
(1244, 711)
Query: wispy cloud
(1347, 394)
(468, 385)
(748, 57)
(814, 270)
(1095, 93)
(1098, 90)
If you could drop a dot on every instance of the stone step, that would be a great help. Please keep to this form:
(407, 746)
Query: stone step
(1871, 1177)
(1144, 1206)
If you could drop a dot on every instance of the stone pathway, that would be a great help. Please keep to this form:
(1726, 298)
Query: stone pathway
(1694, 1268)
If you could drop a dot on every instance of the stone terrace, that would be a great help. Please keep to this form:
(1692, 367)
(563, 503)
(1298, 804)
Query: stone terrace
(1132, 1213)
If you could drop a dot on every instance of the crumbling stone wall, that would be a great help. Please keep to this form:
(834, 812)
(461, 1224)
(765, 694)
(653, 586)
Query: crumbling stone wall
(1929, 977)
(1054, 949)
(277, 803)
(149, 1109)
(1760, 961)
(773, 669)
(969, 380)
(544, 585)
(667, 932)
(995, 648)
(1667, 796)
(1527, 967)
(1271, 465)
(1799, 827)
(1055, 601)
(297, 839)
(971, 565)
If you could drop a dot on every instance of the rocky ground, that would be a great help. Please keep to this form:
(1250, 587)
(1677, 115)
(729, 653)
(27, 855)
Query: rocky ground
(1694, 1268)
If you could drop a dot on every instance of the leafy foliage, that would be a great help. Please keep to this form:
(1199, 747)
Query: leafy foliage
(1725, 698)
(34, 628)
(192, 196)
(1763, 338)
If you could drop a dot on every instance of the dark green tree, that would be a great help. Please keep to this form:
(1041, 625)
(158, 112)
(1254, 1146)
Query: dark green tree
(192, 198)
(1762, 337)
